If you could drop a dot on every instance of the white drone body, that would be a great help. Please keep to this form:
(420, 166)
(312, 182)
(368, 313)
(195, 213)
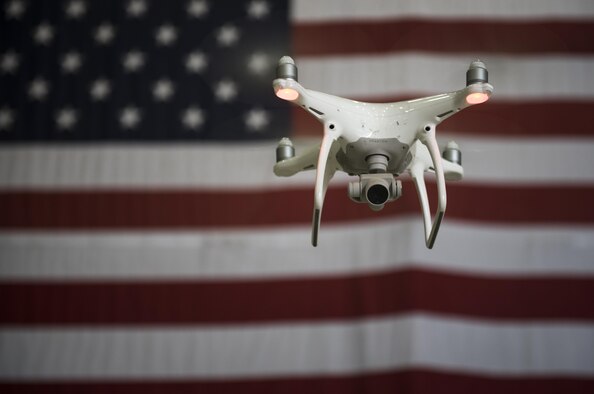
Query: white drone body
(378, 142)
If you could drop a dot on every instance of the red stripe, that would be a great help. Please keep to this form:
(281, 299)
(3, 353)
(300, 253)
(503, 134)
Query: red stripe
(358, 37)
(180, 209)
(416, 381)
(346, 297)
(499, 119)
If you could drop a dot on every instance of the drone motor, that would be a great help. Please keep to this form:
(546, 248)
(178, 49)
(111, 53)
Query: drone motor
(477, 72)
(286, 68)
(284, 150)
(452, 153)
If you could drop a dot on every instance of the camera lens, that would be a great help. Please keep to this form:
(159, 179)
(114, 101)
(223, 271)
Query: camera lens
(377, 194)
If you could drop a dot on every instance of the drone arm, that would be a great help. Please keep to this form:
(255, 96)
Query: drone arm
(305, 161)
(326, 168)
(452, 171)
(427, 137)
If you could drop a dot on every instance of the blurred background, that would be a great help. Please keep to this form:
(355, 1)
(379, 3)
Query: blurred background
(146, 246)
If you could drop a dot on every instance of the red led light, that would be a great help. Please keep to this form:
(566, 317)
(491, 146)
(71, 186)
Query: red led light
(477, 98)
(287, 94)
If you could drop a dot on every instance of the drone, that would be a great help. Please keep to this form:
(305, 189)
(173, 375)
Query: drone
(378, 142)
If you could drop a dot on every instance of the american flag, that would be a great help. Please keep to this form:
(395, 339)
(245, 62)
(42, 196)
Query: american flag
(146, 246)
(140, 70)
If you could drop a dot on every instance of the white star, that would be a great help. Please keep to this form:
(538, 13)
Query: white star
(75, 9)
(6, 118)
(130, 117)
(44, 33)
(197, 8)
(38, 89)
(227, 35)
(71, 62)
(104, 33)
(258, 63)
(257, 119)
(133, 61)
(196, 62)
(258, 9)
(136, 8)
(10, 62)
(193, 118)
(163, 89)
(66, 118)
(225, 90)
(166, 35)
(100, 89)
(15, 9)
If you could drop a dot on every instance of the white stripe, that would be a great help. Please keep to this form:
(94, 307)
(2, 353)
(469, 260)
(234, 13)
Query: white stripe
(138, 165)
(552, 160)
(418, 341)
(373, 246)
(304, 11)
(514, 78)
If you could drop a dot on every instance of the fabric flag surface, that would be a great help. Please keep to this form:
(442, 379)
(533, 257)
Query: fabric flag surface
(146, 245)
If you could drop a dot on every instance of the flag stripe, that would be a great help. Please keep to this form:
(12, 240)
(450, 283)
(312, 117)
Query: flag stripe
(532, 348)
(415, 381)
(496, 119)
(566, 160)
(156, 209)
(513, 251)
(515, 78)
(373, 37)
(310, 299)
(532, 10)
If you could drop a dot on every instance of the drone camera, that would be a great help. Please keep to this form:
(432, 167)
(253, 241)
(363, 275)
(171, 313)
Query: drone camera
(377, 193)
(375, 190)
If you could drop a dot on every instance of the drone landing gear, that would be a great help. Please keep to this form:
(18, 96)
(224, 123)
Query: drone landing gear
(417, 171)
(326, 168)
